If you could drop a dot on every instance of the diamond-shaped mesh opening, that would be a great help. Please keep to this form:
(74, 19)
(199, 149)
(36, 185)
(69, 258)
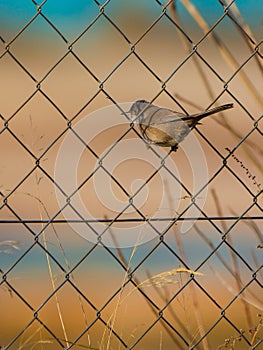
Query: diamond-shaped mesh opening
(107, 241)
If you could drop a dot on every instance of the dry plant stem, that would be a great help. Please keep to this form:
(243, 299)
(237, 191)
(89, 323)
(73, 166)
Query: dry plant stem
(231, 341)
(52, 279)
(137, 283)
(26, 343)
(257, 329)
(122, 258)
(161, 341)
(177, 237)
(221, 259)
(41, 204)
(165, 297)
(239, 137)
(223, 122)
(210, 244)
(65, 258)
(79, 345)
(254, 228)
(114, 315)
(189, 102)
(179, 243)
(234, 260)
(187, 47)
(205, 28)
(239, 21)
(226, 54)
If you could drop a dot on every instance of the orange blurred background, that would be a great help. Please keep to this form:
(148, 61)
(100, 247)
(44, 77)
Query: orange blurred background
(62, 79)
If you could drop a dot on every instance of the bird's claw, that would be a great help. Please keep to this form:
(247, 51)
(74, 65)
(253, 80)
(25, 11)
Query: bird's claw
(174, 148)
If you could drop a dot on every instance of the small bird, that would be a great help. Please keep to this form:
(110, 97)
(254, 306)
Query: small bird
(164, 127)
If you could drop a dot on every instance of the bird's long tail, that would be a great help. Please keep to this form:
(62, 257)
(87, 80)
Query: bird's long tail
(202, 115)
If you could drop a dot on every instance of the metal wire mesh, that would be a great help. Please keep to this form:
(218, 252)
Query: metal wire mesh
(100, 327)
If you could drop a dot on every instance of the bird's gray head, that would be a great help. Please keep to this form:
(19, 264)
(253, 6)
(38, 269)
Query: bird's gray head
(137, 107)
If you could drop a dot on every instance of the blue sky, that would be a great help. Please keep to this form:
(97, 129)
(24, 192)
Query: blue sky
(68, 13)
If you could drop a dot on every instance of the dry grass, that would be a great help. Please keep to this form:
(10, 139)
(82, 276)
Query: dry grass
(177, 276)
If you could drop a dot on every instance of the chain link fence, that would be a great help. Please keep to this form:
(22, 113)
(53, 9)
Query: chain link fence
(197, 286)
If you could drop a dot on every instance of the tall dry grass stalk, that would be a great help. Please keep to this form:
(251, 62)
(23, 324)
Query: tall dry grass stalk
(42, 210)
(235, 265)
(229, 59)
(244, 29)
(137, 285)
(196, 306)
(224, 51)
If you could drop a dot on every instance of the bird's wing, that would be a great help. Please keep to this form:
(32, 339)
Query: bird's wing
(171, 118)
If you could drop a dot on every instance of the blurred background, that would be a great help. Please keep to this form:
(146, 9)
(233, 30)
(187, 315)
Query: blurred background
(62, 61)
